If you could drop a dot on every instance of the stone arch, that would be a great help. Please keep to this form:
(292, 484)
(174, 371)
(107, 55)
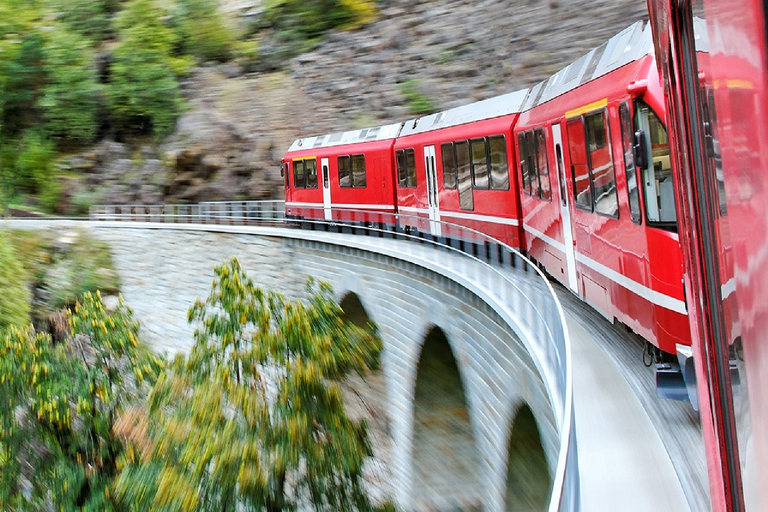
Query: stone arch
(529, 482)
(446, 461)
(354, 311)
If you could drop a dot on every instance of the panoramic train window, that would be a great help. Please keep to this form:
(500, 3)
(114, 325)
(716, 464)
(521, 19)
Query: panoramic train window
(298, 174)
(545, 188)
(406, 168)
(449, 165)
(582, 185)
(658, 187)
(497, 149)
(310, 173)
(479, 164)
(629, 164)
(466, 200)
(358, 171)
(603, 176)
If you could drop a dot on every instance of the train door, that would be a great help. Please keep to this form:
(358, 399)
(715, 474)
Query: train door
(565, 213)
(326, 188)
(432, 191)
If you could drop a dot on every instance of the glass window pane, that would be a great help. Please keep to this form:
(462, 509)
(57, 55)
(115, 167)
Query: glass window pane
(629, 163)
(345, 176)
(298, 174)
(524, 171)
(479, 164)
(311, 173)
(466, 200)
(401, 170)
(499, 166)
(582, 187)
(543, 165)
(657, 177)
(410, 161)
(530, 142)
(358, 171)
(601, 163)
(449, 165)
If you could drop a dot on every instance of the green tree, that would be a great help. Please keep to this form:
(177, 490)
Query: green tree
(253, 418)
(204, 31)
(89, 18)
(60, 404)
(143, 92)
(14, 298)
(71, 94)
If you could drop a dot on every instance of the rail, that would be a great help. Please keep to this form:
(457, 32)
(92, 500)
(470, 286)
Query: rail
(501, 275)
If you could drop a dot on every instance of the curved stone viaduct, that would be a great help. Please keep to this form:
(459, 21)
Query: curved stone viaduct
(464, 399)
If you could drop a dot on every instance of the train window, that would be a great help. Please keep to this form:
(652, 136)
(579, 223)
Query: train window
(298, 174)
(601, 165)
(287, 169)
(406, 168)
(582, 185)
(629, 163)
(310, 173)
(530, 142)
(524, 168)
(466, 200)
(658, 187)
(358, 171)
(497, 149)
(479, 164)
(449, 165)
(345, 174)
(545, 188)
(410, 162)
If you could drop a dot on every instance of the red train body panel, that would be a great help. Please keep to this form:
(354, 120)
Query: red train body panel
(717, 96)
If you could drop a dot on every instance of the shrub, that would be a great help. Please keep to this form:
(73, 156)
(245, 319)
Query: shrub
(60, 403)
(143, 93)
(204, 31)
(70, 97)
(14, 298)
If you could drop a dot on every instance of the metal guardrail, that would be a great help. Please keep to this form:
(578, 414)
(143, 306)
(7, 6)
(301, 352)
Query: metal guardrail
(510, 283)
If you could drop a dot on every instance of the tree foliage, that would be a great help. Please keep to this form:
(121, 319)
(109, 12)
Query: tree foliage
(203, 30)
(143, 91)
(60, 401)
(253, 419)
(71, 95)
(14, 297)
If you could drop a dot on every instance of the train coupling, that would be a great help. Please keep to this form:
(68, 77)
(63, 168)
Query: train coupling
(677, 380)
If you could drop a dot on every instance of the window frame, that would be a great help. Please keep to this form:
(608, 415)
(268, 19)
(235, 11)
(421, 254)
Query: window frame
(503, 140)
(454, 171)
(296, 183)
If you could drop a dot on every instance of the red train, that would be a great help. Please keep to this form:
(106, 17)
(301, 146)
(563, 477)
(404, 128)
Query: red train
(625, 177)
(574, 171)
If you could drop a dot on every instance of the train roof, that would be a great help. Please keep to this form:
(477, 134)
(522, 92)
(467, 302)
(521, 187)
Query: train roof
(385, 132)
(503, 105)
(629, 45)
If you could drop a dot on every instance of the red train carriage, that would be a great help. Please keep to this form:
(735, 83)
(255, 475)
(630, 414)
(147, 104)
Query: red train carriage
(455, 166)
(718, 104)
(337, 175)
(598, 215)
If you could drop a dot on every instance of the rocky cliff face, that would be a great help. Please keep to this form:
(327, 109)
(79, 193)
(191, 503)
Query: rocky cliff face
(444, 52)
